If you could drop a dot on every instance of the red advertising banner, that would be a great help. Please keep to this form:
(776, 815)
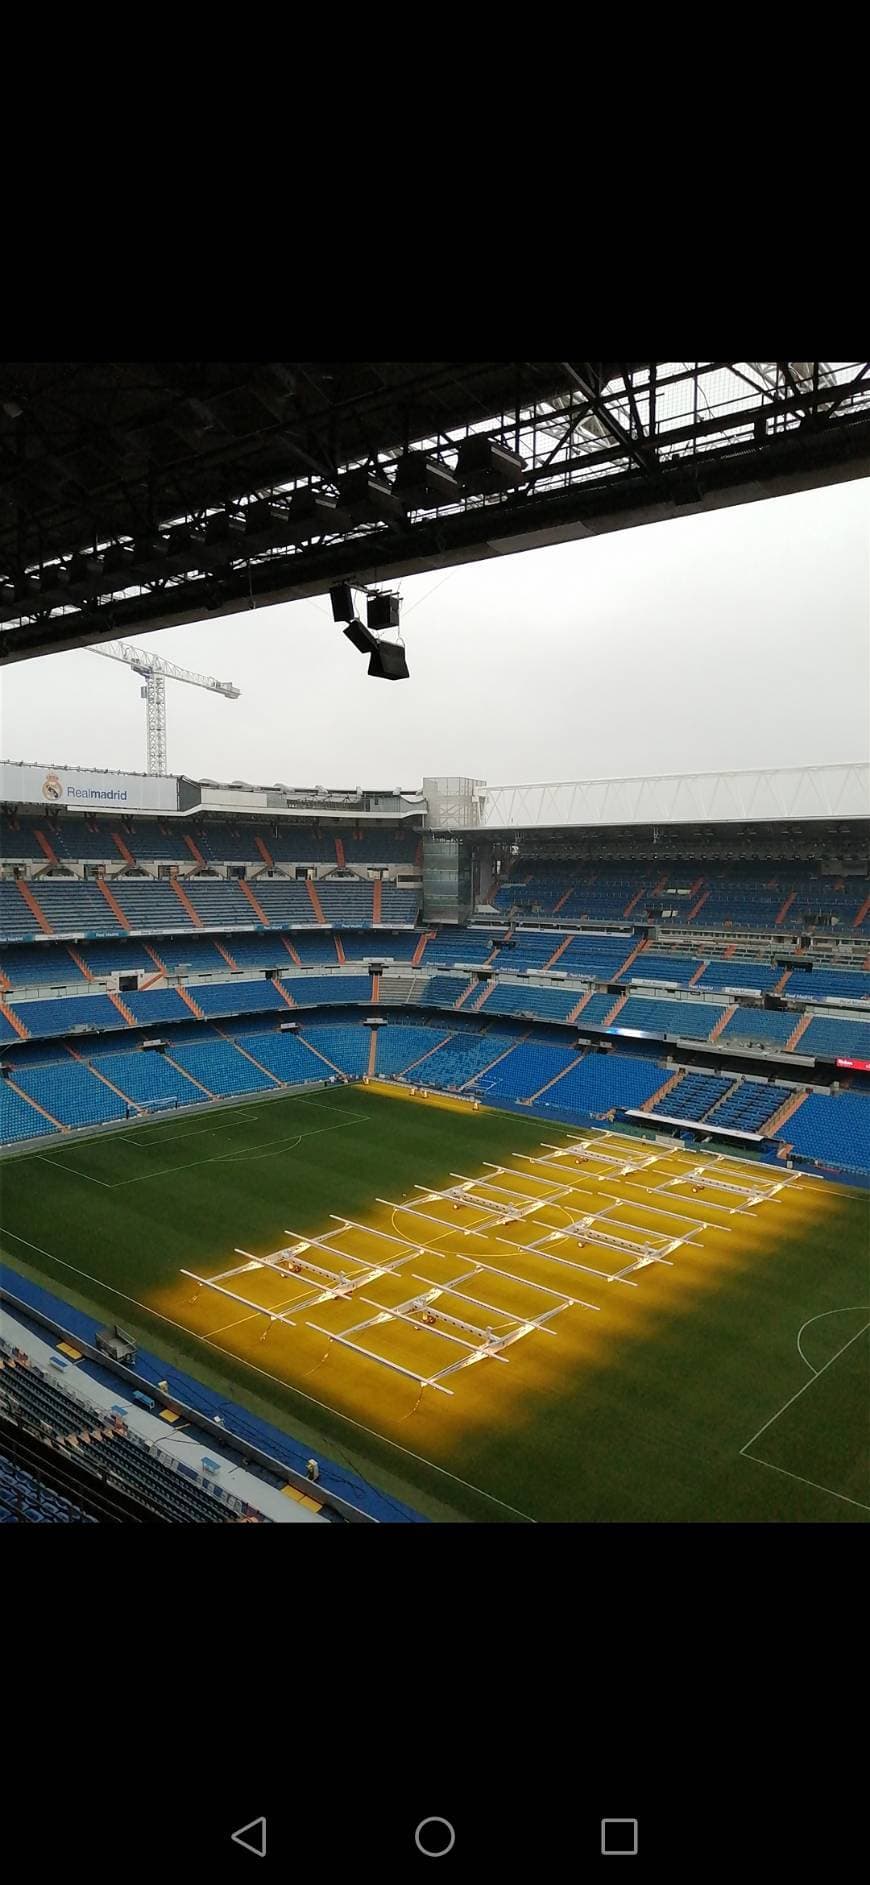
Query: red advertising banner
(858, 1066)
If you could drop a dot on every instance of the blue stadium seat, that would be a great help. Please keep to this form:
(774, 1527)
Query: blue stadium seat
(443, 991)
(18, 1120)
(462, 1057)
(157, 1004)
(749, 1107)
(524, 1071)
(49, 965)
(313, 990)
(148, 1078)
(71, 1093)
(150, 905)
(57, 1015)
(219, 902)
(17, 921)
(530, 998)
(347, 1047)
(237, 996)
(695, 1095)
(727, 972)
(688, 1020)
(399, 1046)
(461, 945)
(827, 1036)
(218, 1066)
(760, 1027)
(833, 1128)
(601, 1082)
(285, 1055)
(653, 966)
(284, 901)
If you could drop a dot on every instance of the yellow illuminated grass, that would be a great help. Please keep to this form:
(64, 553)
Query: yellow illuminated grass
(520, 1285)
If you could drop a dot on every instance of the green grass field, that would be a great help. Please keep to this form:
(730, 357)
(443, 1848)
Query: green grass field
(686, 1397)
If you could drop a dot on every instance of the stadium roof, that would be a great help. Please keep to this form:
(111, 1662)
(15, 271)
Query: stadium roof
(136, 495)
(786, 794)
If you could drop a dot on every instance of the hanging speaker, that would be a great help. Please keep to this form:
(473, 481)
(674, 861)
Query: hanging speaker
(388, 662)
(382, 611)
(341, 598)
(362, 638)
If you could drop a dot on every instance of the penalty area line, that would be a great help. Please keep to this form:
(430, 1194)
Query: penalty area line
(807, 1384)
(805, 1482)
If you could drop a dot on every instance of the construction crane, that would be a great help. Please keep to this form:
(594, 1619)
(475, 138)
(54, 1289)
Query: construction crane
(156, 672)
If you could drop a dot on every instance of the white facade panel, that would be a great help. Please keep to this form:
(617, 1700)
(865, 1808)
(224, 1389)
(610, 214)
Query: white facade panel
(86, 791)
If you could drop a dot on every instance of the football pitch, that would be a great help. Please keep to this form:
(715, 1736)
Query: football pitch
(490, 1316)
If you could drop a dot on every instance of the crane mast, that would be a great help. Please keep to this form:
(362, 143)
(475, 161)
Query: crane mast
(155, 672)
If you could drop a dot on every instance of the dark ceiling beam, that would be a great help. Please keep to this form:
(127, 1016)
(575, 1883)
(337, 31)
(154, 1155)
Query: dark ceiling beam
(581, 378)
(792, 461)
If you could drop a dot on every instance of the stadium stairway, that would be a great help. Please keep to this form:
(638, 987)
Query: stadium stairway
(187, 1075)
(622, 971)
(339, 948)
(579, 1006)
(254, 902)
(612, 1013)
(633, 901)
(556, 1077)
(105, 1079)
(722, 1023)
(240, 1049)
(35, 910)
(474, 1007)
(654, 1103)
(194, 850)
(496, 1062)
(192, 1005)
(773, 1128)
(15, 1022)
(46, 847)
(377, 901)
(229, 960)
(560, 951)
(796, 1033)
(124, 849)
(314, 900)
(36, 1104)
(439, 1041)
(79, 962)
(113, 904)
(313, 1049)
(185, 902)
(122, 1008)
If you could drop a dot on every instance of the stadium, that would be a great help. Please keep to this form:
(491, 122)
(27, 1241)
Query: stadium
(470, 1152)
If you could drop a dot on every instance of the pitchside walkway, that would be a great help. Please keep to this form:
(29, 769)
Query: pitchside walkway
(346, 1485)
(189, 1446)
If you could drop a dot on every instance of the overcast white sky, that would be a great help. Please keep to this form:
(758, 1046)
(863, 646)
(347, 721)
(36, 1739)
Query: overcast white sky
(739, 638)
